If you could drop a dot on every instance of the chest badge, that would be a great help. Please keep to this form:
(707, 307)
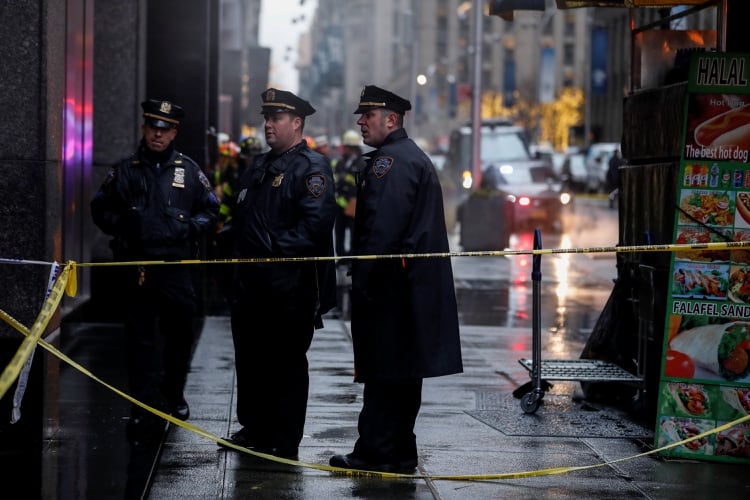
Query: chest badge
(178, 180)
(277, 180)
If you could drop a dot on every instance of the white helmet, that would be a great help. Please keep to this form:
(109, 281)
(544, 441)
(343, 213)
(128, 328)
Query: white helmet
(351, 138)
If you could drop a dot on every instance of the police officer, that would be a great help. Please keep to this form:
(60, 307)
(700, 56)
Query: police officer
(404, 314)
(285, 207)
(157, 204)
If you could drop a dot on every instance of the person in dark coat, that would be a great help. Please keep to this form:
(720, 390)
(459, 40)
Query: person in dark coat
(285, 207)
(404, 313)
(613, 176)
(157, 204)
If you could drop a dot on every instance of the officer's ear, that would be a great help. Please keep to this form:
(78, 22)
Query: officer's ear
(391, 118)
(298, 122)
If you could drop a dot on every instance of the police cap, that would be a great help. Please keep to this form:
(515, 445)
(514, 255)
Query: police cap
(162, 114)
(282, 101)
(373, 97)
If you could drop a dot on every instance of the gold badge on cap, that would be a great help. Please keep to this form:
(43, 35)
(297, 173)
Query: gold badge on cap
(271, 95)
(165, 107)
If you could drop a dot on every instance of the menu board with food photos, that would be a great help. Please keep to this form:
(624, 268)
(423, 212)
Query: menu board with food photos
(705, 371)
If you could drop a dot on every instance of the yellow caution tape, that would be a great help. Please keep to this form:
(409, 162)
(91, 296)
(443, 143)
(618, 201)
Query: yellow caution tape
(339, 470)
(67, 282)
(71, 288)
(725, 245)
(10, 373)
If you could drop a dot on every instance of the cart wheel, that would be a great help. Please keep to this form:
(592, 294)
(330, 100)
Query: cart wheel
(530, 402)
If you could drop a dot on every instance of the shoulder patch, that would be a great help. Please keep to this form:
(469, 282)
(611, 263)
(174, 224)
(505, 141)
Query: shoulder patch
(382, 165)
(204, 180)
(110, 175)
(316, 184)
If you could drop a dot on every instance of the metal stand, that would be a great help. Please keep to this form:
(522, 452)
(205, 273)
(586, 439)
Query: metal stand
(583, 370)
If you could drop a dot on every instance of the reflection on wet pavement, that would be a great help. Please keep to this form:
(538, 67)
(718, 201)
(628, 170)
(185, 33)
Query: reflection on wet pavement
(86, 454)
(574, 286)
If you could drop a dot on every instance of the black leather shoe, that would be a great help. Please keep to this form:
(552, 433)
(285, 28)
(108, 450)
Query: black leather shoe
(181, 410)
(351, 461)
(241, 438)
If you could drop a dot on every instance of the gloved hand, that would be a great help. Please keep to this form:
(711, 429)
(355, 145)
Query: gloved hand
(130, 224)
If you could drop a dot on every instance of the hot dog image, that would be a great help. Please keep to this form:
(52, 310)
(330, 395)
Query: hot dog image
(730, 128)
(721, 349)
(743, 205)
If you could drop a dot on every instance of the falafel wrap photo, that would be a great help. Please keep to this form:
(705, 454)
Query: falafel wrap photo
(720, 351)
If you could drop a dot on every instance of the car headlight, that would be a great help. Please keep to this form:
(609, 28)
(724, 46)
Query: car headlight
(565, 198)
(466, 179)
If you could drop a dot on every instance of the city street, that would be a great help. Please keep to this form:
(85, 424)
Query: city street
(586, 372)
(574, 287)
(469, 424)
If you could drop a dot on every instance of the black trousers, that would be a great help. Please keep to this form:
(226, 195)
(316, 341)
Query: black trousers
(159, 316)
(271, 339)
(386, 422)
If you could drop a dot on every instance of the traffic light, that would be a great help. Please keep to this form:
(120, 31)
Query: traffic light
(505, 8)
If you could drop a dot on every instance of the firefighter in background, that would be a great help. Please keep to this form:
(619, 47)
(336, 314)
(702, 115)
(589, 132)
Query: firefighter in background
(233, 161)
(217, 151)
(250, 148)
(226, 178)
(321, 146)
(346, 170)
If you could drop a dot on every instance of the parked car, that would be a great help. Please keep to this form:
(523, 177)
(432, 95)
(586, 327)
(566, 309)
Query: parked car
(512, 198)
(536, 194)
(576, 176)
(500, 142)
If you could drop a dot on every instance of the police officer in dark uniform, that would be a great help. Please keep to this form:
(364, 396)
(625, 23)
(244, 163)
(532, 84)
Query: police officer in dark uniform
(285, 207)
(404, 314)
(157, 204)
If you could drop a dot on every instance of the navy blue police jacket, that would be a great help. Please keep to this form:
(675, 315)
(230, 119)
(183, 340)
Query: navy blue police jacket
(155, 210)
(286, 207)
(404, 312)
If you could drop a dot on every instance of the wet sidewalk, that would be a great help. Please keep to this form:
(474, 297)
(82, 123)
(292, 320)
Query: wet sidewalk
(469, 425)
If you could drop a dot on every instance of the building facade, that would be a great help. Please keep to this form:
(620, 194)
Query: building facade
(424, 50)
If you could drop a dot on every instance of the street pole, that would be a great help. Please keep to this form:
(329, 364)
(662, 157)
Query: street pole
(587, 85)
(476, 97)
